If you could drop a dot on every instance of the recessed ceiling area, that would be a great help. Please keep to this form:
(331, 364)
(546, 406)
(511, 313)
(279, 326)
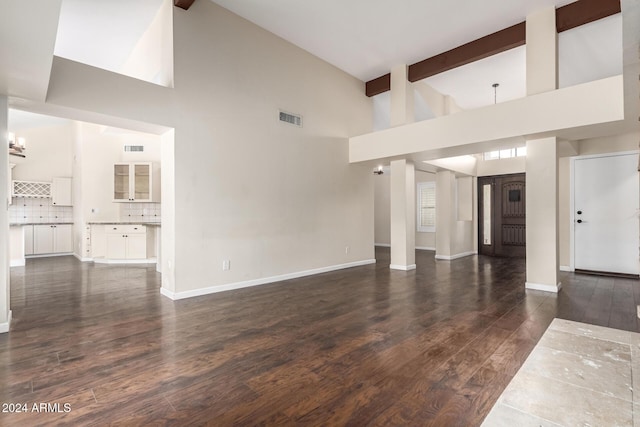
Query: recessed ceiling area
(23, 120)
(110, 34)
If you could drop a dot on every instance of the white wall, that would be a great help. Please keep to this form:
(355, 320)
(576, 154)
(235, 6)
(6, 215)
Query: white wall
(272, 198)
(49, 153)
(382, 212)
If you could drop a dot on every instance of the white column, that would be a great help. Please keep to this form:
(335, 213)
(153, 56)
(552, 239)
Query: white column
(444, 203)
(403, 216)
(542, 215)
(5, 312)
(402, 109)
(542, 52)
(542, 159)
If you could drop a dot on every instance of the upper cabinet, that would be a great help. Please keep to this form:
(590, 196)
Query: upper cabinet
(135, 182)
(61, 192)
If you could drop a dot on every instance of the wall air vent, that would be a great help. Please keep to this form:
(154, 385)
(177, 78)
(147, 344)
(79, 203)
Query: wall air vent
(134, 148)
(293, 119)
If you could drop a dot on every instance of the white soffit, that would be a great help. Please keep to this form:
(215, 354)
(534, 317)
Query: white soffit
(103, 33)
(24, 120)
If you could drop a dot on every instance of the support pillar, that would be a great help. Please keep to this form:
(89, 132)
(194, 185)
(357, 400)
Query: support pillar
(402, 108)
(403, 216)
(542, 160)
(542, 215)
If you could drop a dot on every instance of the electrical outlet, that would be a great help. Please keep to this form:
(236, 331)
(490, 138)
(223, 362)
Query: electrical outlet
(347, 249)
(226, 265)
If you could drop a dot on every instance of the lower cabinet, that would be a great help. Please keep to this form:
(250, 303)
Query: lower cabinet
(126, 242)
(49, 239)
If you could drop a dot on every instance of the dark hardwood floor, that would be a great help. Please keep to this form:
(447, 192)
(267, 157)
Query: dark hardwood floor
(362, 346)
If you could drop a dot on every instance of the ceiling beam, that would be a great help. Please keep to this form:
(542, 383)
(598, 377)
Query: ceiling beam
(584, 11)
(567, 17)
(183, 4)
(379, 85)
(473, 51)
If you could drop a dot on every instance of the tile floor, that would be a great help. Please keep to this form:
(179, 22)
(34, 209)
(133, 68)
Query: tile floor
(577, 375)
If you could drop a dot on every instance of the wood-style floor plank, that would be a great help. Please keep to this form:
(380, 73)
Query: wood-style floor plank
(362, 346)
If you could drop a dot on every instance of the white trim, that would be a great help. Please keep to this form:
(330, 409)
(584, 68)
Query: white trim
(425, 248)
(566, 268)
(402, 267)
(545, 288)
(261, 281)
(17, 263)
(125, 261)
(456, 256)
(382, 245)
(572, 209)
(83, 259)
(4, 327)
(49, 255)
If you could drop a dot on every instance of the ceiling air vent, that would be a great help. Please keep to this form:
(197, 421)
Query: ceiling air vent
(293, 119)
(136, 148)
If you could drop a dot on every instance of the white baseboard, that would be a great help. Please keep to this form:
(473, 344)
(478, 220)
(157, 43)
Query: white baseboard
(456, 256)
(83, 259)
(425, 248)
(4, 327)
(382, 245)
(402, 267)
(124, 261)
(49, 255)
(263, 281)
(17, 263)
(565, 268)
(545, 288)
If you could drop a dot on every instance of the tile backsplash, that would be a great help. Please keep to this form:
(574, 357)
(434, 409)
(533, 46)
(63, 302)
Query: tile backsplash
(38, 210)
(143, 212)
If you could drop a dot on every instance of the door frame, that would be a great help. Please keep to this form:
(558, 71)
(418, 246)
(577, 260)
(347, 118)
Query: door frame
(572, 210)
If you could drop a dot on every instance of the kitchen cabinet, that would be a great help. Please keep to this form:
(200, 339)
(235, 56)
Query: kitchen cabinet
(61, 192)
(52, 238)
(135, 182)
(126, 242)
(28, 239)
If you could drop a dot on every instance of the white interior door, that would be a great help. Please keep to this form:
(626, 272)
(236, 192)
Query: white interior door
(606, 232)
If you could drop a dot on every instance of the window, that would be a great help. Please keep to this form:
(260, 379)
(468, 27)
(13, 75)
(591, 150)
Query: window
(426, 207)
(505, 154)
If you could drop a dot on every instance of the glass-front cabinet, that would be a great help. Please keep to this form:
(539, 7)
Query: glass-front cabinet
(133, 182)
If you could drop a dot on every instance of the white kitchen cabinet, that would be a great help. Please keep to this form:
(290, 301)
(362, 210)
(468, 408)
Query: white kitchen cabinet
(52, 238)
(61, 192)
(125, 242)
(135, 182)
(28, 239)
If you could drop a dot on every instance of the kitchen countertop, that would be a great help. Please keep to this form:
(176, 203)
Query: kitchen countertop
(15, 224)
(123, 223)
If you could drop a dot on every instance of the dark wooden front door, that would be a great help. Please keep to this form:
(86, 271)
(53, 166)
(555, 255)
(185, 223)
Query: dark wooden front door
(501, 216)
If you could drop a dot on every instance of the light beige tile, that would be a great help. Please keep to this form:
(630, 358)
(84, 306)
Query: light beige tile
(594, 348)
(506, 416)
(635, 373)
(565, 404)
(593, 331)
(613, 379)
(636, 415)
